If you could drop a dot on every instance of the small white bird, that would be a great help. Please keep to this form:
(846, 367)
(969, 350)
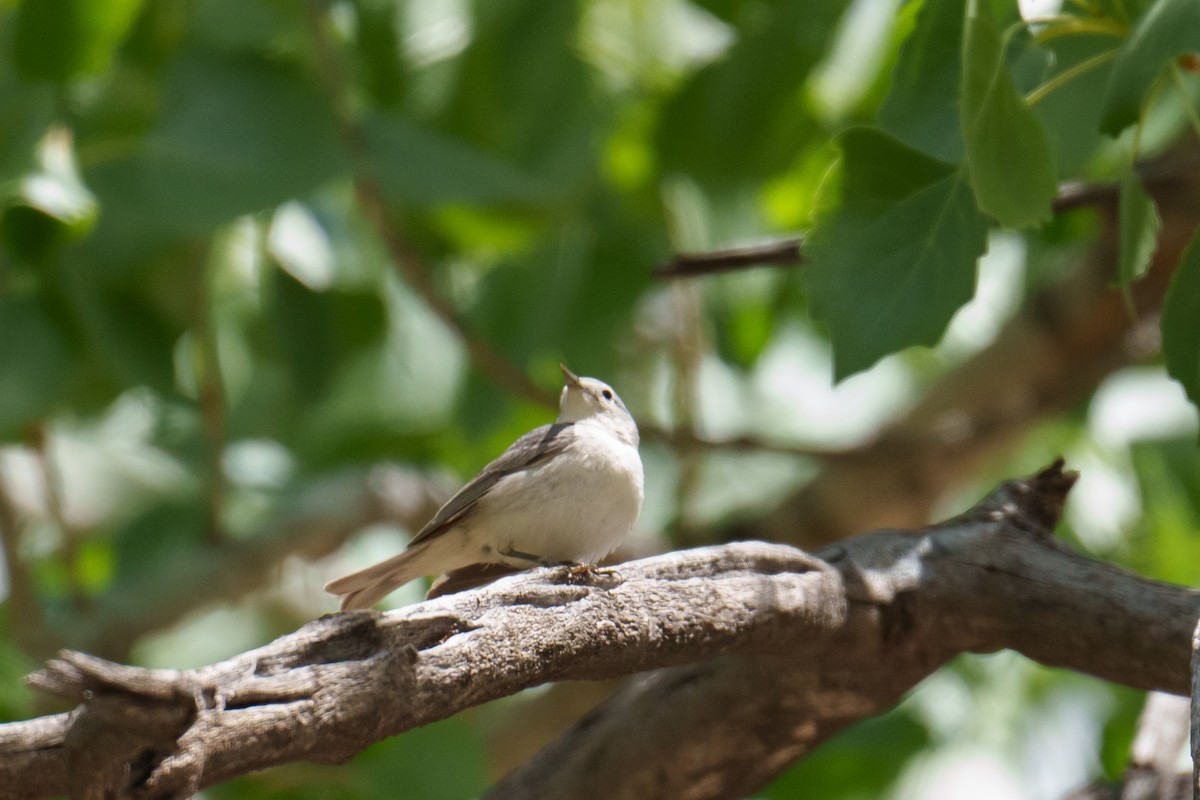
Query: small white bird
(566, 493)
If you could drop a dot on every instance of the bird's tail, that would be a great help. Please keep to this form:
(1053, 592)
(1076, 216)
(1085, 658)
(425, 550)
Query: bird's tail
(367, 587)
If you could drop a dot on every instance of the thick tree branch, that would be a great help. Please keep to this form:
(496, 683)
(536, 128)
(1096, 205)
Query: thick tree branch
(980, 583)
(799, 646)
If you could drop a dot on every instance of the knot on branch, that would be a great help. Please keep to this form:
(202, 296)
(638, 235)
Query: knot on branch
(1034, 503)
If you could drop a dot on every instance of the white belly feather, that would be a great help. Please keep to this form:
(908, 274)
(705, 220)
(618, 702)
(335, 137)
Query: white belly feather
(578, 506)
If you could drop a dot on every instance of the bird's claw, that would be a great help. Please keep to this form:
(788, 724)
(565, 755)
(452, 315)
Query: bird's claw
(588, 573)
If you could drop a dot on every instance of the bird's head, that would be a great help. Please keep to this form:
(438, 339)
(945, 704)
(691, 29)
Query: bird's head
(588, 398)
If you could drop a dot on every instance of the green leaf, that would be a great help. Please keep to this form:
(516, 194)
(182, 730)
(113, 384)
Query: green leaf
(237, 136)
(1168, 477)
(28, 111)
(1070, 114)
(61, 39)
(241, 25)
(1011, 166)
(740, 118)
(380, 52)
(1168, 29)
(129, 337)
(426, 168)
(897, 259)
(522, 93)
(30, 234)
(1139, 224)
(586, 277)
(35, 365)
(921, 109)
(318, 333)
(1181, 323)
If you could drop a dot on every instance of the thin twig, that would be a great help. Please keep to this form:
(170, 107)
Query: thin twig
(783, 253)
(789, 252)
(686, 440)
(405, 259)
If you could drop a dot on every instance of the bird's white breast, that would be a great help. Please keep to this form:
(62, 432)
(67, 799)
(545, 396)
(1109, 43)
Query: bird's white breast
(578, 506)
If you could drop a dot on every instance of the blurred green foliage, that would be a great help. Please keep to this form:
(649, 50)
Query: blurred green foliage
(201, 319)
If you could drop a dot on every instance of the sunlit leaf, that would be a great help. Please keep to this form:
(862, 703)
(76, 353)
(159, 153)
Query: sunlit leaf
(61, 39)
(1168, 476)
(1011, 167)
(897, 259)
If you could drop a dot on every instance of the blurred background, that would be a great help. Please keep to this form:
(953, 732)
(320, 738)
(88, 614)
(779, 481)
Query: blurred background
(277, 277)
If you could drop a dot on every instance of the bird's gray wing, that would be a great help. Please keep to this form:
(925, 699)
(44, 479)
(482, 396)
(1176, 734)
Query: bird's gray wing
(536, 447)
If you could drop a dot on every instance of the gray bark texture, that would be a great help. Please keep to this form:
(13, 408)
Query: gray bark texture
(749, 654)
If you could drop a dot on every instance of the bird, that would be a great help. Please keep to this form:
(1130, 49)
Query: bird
(566, 493)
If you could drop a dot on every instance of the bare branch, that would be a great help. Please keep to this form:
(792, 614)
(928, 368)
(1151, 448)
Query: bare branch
(782, 253)
(781, 650)
(726, 727)
(788, 252)
(683, 440)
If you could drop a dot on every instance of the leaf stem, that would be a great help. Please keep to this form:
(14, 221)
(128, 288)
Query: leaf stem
(1069, 74)
(1071, 25)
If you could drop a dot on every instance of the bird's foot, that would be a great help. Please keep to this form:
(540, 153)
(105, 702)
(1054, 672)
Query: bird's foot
(573, 571)
(590, 573)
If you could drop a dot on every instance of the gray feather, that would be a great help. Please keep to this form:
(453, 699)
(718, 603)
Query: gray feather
(534, 448)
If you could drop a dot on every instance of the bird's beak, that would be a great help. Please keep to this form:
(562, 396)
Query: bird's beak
(572, 378)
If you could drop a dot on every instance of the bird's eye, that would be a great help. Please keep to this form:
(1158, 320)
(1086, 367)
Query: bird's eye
(607, 394)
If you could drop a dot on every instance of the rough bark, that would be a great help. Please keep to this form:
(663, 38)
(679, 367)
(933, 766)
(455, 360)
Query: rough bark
(773, 651)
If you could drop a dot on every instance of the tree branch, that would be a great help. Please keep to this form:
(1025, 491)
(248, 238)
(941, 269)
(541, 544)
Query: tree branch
(782, 253)
(781, 650)
(986, 581)
(788, 252)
